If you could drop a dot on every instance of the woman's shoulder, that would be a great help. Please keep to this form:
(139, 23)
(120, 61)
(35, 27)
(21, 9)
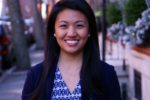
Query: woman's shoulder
(32, 80)
(37, 68)
(105, 67)
(108, 72)
(110, 81)
(35, 71)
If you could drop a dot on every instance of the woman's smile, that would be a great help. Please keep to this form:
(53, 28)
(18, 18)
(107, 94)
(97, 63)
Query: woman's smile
(72, 42)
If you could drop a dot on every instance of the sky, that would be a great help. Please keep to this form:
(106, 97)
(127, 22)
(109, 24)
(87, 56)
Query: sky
(0, 7)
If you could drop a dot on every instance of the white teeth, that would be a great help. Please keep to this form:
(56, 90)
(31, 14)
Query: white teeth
(72, 41)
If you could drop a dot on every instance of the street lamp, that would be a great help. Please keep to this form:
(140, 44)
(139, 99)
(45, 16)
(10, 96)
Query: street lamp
(103, 29)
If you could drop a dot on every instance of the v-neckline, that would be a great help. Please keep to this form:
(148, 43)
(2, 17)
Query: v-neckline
(71, 92)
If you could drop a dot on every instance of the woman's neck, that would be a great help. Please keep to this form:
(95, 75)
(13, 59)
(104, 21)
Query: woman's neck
(70, 67)
(70, 61)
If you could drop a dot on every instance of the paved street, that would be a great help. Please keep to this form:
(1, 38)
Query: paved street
(11, 82)
(11, 86)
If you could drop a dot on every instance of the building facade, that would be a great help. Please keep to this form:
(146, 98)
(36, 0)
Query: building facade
(139, 73)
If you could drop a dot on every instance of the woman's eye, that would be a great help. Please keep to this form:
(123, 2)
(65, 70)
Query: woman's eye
(63, 26)
(80, 26)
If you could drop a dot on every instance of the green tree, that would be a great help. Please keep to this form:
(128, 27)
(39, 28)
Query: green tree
(18, 37)
(113, 13)
(133, 10)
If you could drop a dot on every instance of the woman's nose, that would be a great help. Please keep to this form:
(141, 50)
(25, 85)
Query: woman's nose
(71, 31)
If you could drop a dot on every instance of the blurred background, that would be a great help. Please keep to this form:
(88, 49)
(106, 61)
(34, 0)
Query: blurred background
(124, 41)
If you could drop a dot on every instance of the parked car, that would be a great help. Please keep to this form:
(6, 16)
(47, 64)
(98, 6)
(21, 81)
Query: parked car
(5, 50)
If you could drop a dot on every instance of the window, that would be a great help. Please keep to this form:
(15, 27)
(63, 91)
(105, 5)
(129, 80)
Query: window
(137, 84)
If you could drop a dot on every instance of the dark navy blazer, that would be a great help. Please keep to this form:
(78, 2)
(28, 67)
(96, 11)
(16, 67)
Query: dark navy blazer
(110, 83)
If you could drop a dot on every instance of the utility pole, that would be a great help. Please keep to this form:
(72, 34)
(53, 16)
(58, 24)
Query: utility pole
(103, 29)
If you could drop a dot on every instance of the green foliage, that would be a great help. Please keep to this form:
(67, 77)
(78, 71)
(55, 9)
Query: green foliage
(113, 13)
(133, 10)
(98, 13)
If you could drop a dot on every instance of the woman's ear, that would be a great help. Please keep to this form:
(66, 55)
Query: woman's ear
(54, 35)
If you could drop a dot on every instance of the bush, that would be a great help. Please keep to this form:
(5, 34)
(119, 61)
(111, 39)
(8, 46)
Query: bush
(113, 14)
(133, 10)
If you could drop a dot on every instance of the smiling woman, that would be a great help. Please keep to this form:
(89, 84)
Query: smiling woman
(71, 31)
(72, 69)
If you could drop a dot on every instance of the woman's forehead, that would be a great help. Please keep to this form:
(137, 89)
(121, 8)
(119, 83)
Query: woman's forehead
(72, 15)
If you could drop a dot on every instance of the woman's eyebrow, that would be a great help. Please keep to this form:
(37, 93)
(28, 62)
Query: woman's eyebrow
(80, 21)
(63, 21)
(76, 22)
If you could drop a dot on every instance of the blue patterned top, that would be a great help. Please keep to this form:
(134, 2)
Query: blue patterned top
(60, 90)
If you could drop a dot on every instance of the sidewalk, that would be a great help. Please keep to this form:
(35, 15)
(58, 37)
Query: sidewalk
(11, 82)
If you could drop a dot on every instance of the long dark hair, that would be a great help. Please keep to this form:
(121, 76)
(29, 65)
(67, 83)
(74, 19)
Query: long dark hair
(89, 73)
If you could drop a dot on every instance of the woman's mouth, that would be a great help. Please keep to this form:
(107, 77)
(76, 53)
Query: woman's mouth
(72, 42)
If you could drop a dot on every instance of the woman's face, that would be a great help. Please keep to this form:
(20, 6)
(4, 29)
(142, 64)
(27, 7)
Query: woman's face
(71, 31)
